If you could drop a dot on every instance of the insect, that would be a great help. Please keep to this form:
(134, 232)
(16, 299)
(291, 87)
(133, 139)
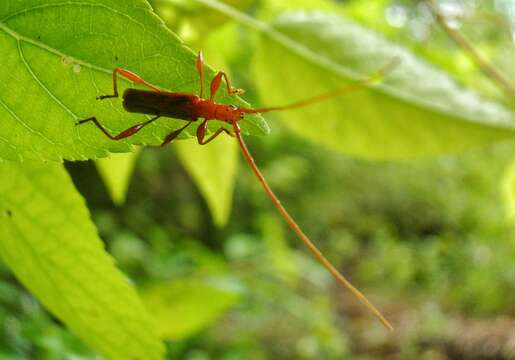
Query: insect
(195, 108)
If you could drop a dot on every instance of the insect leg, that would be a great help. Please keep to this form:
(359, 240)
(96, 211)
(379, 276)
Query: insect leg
(215, 84)
(201, 132)
(171, 136)
(124, 134)
(200, 62)
(130, 76)
(215, 134)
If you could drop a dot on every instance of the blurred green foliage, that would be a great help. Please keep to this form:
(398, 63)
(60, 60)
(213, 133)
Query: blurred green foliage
(428, 239)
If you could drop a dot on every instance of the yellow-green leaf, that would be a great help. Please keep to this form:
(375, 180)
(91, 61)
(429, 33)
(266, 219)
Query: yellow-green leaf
(184, 307)
(213, 168)
(116, 172)
(508, 189)
(51, 245)
(417, 111)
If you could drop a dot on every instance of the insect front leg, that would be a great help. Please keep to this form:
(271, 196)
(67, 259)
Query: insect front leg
(201, 133)
(130, 76)
(124, 134)
(215, 85)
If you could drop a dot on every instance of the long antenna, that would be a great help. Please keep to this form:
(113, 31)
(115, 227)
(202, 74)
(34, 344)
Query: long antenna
(309, 244)
(341, 91)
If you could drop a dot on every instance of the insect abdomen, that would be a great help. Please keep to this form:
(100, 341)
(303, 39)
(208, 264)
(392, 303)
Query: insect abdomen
(174, 105)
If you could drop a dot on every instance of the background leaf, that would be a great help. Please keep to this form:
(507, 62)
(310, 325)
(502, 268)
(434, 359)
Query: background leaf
(508, 191)
(194, 21)
(280, 255)
(186, 306)
(116, 172)
(213, 168)
(60, 56)
(405, 117)
(48, 242)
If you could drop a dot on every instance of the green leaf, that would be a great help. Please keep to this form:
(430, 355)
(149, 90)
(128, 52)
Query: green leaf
(508, 191)
(57, 57)
(279, 253)
(116, 172)
(187, 306)
(419, 110)
(213, 168)
(194, 17)
(48, 241)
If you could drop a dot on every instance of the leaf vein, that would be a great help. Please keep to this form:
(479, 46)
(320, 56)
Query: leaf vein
(25, 125)
(46, 261)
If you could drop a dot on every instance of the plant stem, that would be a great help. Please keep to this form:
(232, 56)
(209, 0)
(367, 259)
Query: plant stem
(486, 68)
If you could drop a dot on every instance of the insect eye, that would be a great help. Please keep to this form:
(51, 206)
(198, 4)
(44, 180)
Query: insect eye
(242, 115)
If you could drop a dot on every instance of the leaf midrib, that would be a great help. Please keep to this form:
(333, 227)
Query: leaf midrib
(51, 50)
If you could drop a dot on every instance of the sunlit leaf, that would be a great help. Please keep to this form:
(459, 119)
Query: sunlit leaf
(48, 241)
(116, 172)
(418, 110)
(213, 168)
(192, 15)
(57, 57)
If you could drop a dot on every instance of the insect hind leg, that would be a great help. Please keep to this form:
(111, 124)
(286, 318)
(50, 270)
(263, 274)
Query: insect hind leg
(171, 136)
(122, 135)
